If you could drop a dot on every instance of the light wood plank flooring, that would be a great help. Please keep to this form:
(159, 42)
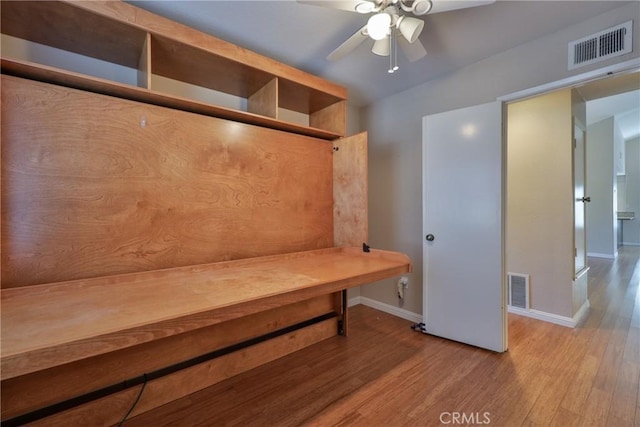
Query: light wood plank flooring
(385, 374)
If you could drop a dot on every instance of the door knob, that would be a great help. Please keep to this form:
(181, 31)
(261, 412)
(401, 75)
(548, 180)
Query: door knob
(586, 199)
(430, 237)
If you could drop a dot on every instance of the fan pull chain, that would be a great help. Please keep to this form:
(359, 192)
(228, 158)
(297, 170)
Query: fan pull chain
(390, 70)
(393, 53)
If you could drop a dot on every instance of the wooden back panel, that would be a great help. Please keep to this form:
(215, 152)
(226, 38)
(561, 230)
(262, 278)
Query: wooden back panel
(94, 185)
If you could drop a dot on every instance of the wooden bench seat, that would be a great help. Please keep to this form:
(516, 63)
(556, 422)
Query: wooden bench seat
(49, 325)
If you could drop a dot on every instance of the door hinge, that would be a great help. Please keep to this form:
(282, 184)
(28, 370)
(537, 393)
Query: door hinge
(575, 252)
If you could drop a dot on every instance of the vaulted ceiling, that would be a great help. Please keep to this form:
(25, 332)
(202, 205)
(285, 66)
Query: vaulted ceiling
(302, 35)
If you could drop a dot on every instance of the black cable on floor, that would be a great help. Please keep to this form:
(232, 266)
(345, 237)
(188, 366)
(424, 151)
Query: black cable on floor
(136, 402)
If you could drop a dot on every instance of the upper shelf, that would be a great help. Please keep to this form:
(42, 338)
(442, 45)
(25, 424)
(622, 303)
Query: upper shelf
(93, 84)
(84, 318)
(123, 34)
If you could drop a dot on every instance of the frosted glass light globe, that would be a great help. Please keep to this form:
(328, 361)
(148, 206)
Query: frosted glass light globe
(378, 25)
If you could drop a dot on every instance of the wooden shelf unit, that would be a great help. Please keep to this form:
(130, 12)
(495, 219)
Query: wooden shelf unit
(122, 34)
(142, 231)
(106, 87)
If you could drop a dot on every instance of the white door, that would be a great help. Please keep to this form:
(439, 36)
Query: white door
(579, 212)
(464, 292)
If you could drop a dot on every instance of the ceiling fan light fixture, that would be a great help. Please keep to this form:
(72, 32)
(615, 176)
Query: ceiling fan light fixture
(378, 25)
(410, 27)
(382, 47)
(422, 7)
(365, 7)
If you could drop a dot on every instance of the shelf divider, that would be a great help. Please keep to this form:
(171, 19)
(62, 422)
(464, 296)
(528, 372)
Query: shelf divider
(144, 65)
(265, 100)
(332, 118)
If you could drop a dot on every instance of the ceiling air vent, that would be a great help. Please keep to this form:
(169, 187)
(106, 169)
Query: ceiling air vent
(606, 44)
(518, 285)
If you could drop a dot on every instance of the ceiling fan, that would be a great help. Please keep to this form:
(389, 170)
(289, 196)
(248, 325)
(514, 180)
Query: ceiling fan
(391, 24)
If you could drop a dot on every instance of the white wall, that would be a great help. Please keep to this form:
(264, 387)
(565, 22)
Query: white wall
(394, 125)
(622, 193)
(631, 229)
(539, 198)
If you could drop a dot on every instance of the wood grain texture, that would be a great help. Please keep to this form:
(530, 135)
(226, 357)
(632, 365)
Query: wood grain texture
(30, 392)
(67, 27)
(115, 31)
(111, 409)
(350, 191)
(299, 97)
(144, 64)
(95, 186)
(385, 374)
(80, 81)
(85, 318)
(265, 100)
(333, 118)
(155, 24)
(189, 63)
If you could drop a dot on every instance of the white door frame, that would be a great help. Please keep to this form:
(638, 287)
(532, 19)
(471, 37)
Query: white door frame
(630, 66)
(615, 70)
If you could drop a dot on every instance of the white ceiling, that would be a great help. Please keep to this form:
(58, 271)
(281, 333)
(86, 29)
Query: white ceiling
(625, 108)
(303, 35)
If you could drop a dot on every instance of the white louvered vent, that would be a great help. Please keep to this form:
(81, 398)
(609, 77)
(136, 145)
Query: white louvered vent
(518, 290)
(606, 44)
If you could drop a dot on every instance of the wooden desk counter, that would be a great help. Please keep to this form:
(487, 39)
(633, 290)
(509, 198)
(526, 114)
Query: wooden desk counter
(49, 325)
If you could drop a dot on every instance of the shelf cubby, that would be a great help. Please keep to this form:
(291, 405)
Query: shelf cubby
(150, 45)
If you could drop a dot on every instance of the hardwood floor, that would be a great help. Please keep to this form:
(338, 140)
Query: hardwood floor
(385, 374)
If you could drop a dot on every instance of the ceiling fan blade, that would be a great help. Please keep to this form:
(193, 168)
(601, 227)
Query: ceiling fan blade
(351, 43)
(447, 5)
(413, 51)
(349, 5)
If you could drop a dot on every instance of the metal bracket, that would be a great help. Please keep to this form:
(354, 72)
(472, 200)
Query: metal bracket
(419, 327)
(340, 327)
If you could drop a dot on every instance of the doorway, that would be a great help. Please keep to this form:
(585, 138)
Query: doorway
(547, 206)
(567, 306)
(613, 113)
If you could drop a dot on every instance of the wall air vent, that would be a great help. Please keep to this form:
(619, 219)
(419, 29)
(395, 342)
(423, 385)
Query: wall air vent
(606, 44)
(518, 290)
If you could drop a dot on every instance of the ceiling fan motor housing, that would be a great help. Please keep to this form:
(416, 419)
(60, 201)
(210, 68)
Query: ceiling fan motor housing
(417, 7)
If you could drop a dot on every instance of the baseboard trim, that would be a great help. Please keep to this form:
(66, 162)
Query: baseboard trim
(582, 313)
(387, 308)
(630, 244)
(601, 255)
(569, 322)
(353, 301)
